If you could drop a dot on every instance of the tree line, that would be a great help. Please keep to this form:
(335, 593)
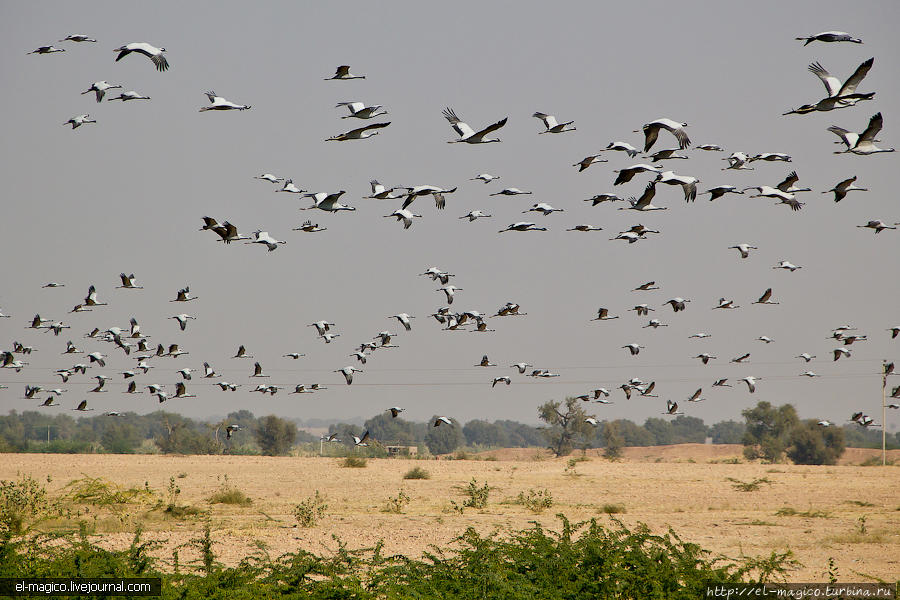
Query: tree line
(769, 430)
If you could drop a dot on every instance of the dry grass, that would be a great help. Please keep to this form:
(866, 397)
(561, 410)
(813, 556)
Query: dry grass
(693, 498)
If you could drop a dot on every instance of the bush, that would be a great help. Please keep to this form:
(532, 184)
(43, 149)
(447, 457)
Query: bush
(417, 473)
(613, 509)
(536, 501)
(477, 496)
(228, 494)
(354, 462)
(311, 510)
(397, 503)
(20, 502)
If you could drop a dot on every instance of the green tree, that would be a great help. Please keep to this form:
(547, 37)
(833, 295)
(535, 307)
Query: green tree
(634, 434)
(661, 431)
(384, 428)
(768, 430)
(565, 429)
(274, 435)
(444, 438)
(485, 434)
(727, 432)
(688, 430)
(120, 438)
(812, 444)
(613, 441)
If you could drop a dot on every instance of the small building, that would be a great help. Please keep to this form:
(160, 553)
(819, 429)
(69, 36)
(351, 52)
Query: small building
(398, 450)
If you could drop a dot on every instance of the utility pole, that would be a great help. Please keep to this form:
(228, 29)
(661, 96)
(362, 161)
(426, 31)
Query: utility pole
(886, 369)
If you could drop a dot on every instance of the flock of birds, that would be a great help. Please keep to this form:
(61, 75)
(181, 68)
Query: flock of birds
(134, 344)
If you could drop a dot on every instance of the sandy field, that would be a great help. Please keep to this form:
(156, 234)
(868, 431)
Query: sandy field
(684, 487)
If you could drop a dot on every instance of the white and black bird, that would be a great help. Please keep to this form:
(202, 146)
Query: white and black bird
(651, 132)
(327, 202)
(543, 208)
(744, 249)
(603, 315)
(585, 227)
(348, 372)
(688, 183)
(503, 379)
(79, 120)
(99, 88)
(766, 298)
(473, 215)
(379, 192)
(269, 177)
(404, 215)
(404, 320)
(129, 95)
(257, 370)
(677, 303)
(360, 133)
(77, 37)
(442, 421)
(290, 187)
(424, 190)
(627, 174)
(182, 319)
(46, 50)
(842, 188)
(152, 52)
(721, 190)
(644, 203)
(551, 125)
(523, 226)
(863, 143)
(263, 237)
(787, 265)
(511, 191)
(878, 225)
(343, 72)
(217, 102)
(467, 134)
(672, 408)
(485, 177)
(587, 161)
(829, 36)
(359, 110)
(750, 380)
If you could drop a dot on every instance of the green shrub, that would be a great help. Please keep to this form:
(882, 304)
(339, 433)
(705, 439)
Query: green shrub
(613, 509)
(537, 501)
(417, 473)
(476, 497)
(397, 503)
(354, 462)
(21, 503)
(748, 486)
(228, 494)
(311, 510)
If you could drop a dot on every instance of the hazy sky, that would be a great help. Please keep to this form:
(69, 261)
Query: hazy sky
(128, 193)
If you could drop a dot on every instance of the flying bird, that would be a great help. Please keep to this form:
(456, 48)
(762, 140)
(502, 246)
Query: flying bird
(220, 103)
(99, 88)
(348, 372)
(359, 133)
(79, 120)
(46, 50)
(829, 36)
(766, 298)
(842, 188)
(359, 110)
(551, 125)
(343, 72)
(744, 249)
(863, 143)
(467, 134)
(652, 129)
(587, 161)
(152, 52)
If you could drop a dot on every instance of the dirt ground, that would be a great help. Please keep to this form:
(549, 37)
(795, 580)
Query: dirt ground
(684, 487)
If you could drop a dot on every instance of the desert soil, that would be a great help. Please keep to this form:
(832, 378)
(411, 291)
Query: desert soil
(684, 487)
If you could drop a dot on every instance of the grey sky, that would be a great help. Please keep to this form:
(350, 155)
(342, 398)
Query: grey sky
(127, 194)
